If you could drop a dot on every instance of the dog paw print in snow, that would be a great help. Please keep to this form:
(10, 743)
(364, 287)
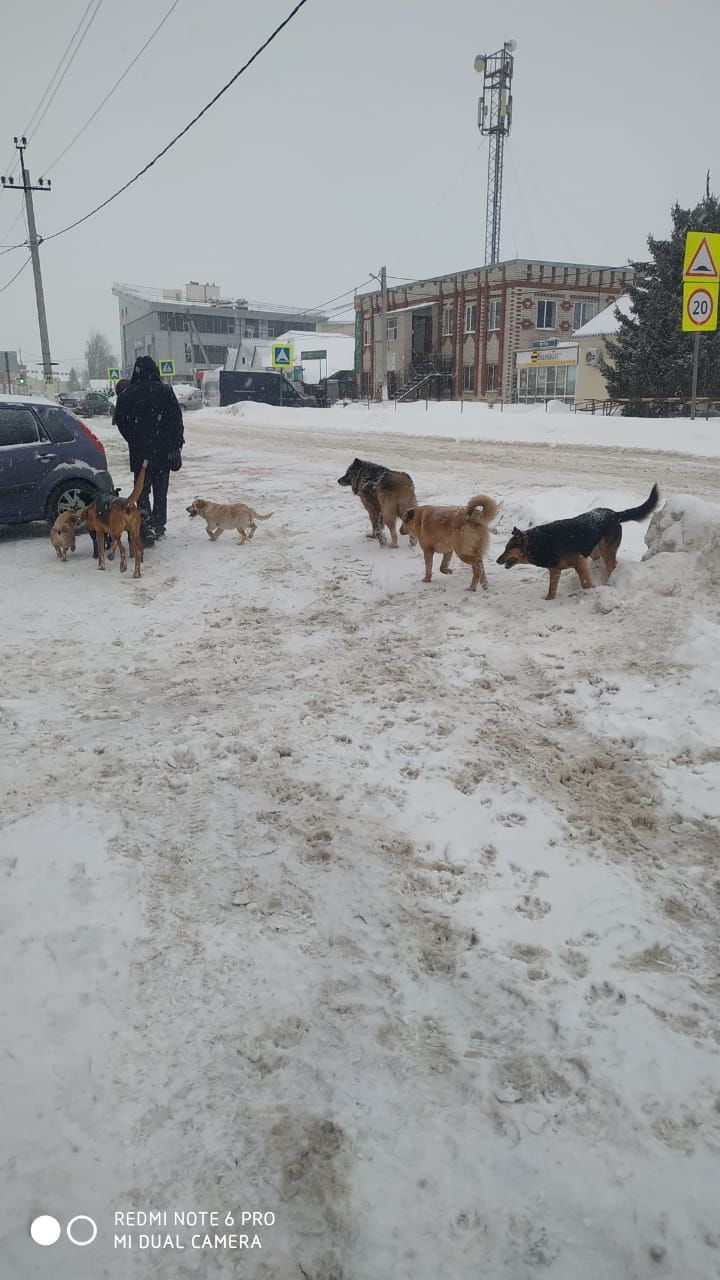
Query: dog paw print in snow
(607, 996)
(532, 907)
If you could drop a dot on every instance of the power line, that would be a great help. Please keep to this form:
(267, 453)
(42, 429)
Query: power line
(453, 182)
(12, 164)
(17, 273)
(68, 65)
(322, 305)
(21, 243)
(78, 222)
(116, 85)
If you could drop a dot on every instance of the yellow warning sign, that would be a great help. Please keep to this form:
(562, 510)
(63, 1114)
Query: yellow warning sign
(702, 256)
(700, 307)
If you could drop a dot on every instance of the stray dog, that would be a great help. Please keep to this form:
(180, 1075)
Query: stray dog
(459, 530)
(565, 544)
(110, 516)
(385, 494)
(220, 516)
(62, 534)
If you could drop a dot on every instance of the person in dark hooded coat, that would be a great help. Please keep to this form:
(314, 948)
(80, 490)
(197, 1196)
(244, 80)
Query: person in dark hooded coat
(149, 417)
(120, 386)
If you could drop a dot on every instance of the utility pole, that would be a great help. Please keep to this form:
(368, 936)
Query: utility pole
(194, 333)
(27, 188)
(382, 281)
(494, 120)
(696, 361)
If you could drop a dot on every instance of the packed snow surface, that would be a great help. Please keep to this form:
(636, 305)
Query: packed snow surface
(385, 908)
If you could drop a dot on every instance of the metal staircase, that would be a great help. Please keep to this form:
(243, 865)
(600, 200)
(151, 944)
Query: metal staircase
(433, 373)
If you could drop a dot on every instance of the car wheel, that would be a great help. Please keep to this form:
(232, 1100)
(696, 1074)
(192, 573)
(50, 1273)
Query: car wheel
(72, 496)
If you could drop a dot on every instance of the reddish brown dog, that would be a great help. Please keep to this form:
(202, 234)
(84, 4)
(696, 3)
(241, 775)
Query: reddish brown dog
(462, 531)
(115, 517)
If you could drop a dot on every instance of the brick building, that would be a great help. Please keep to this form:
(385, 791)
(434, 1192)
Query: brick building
(459, 334)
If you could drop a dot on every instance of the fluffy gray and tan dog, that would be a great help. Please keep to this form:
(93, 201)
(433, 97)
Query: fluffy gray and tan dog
(220, 516)
(385, 494)
(460, 531)
(62, 534)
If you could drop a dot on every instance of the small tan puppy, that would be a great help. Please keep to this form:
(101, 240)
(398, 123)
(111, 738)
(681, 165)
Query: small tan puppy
(62, 534)
(459, 530)
(220, 516)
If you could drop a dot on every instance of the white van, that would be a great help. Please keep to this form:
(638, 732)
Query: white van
(211, 388)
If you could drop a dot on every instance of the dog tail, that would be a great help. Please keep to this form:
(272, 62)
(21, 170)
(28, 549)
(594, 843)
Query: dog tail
(138, 487)
(642, 512)
(489, 507)
(257, 515)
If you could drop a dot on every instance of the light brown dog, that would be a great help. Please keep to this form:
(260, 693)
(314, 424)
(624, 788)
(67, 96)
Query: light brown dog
(220, 516)
(62, 534)
(114, 517)
(459, 530)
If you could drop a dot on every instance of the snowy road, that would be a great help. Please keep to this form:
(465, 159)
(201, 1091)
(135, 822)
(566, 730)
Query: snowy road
(381, 907)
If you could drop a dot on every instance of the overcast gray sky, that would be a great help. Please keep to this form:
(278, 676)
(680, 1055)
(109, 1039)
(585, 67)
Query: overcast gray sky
(333, 153)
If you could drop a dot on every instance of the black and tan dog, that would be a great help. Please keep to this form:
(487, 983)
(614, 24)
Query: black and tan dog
(385, 495)
(565, 544)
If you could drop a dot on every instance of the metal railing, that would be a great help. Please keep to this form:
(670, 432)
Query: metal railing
(651, 407)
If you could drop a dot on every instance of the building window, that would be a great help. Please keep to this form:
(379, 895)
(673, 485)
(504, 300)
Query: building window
(447, 323)
(391, 330)
(468, 377)
(546, 316)
(582, 312)
(491, 377)
(215, 355)
(366, 333)
(494, 314)
(541, 384)
(470, 317)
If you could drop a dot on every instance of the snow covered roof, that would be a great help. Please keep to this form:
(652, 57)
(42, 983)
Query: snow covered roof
(148, 293)
(340, 348)
(606, 322)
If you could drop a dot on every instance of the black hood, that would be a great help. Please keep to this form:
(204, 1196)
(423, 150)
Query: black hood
(145, 370)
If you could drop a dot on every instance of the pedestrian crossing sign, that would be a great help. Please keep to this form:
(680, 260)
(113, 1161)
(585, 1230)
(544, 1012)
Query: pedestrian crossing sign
(167, 368)
(282, 355)
(113, 375)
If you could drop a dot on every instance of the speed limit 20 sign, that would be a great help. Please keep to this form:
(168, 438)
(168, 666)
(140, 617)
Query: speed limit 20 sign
(700, 306)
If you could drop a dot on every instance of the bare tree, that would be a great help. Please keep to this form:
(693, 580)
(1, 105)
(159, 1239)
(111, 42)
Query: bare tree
(98, 355)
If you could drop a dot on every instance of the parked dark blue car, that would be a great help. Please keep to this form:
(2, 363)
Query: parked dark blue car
(50, 461)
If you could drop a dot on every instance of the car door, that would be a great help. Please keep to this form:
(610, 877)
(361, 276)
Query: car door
(25, 459)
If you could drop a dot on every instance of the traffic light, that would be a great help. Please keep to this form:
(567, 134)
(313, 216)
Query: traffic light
(21, 380)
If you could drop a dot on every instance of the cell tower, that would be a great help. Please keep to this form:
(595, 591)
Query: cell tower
(494, 120)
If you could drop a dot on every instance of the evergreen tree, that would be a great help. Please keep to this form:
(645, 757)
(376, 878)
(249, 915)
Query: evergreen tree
(650, 355)
(73, 380)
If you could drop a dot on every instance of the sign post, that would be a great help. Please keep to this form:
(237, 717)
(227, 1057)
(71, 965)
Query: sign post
(701, 283)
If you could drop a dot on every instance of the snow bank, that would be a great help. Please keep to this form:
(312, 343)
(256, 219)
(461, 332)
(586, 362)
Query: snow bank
(671, 718)
(455, 420)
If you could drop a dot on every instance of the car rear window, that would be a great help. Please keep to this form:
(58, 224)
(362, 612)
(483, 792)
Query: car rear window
(55, 424)
(17, 426)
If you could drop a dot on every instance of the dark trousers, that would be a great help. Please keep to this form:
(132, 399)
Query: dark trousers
(157, 482)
